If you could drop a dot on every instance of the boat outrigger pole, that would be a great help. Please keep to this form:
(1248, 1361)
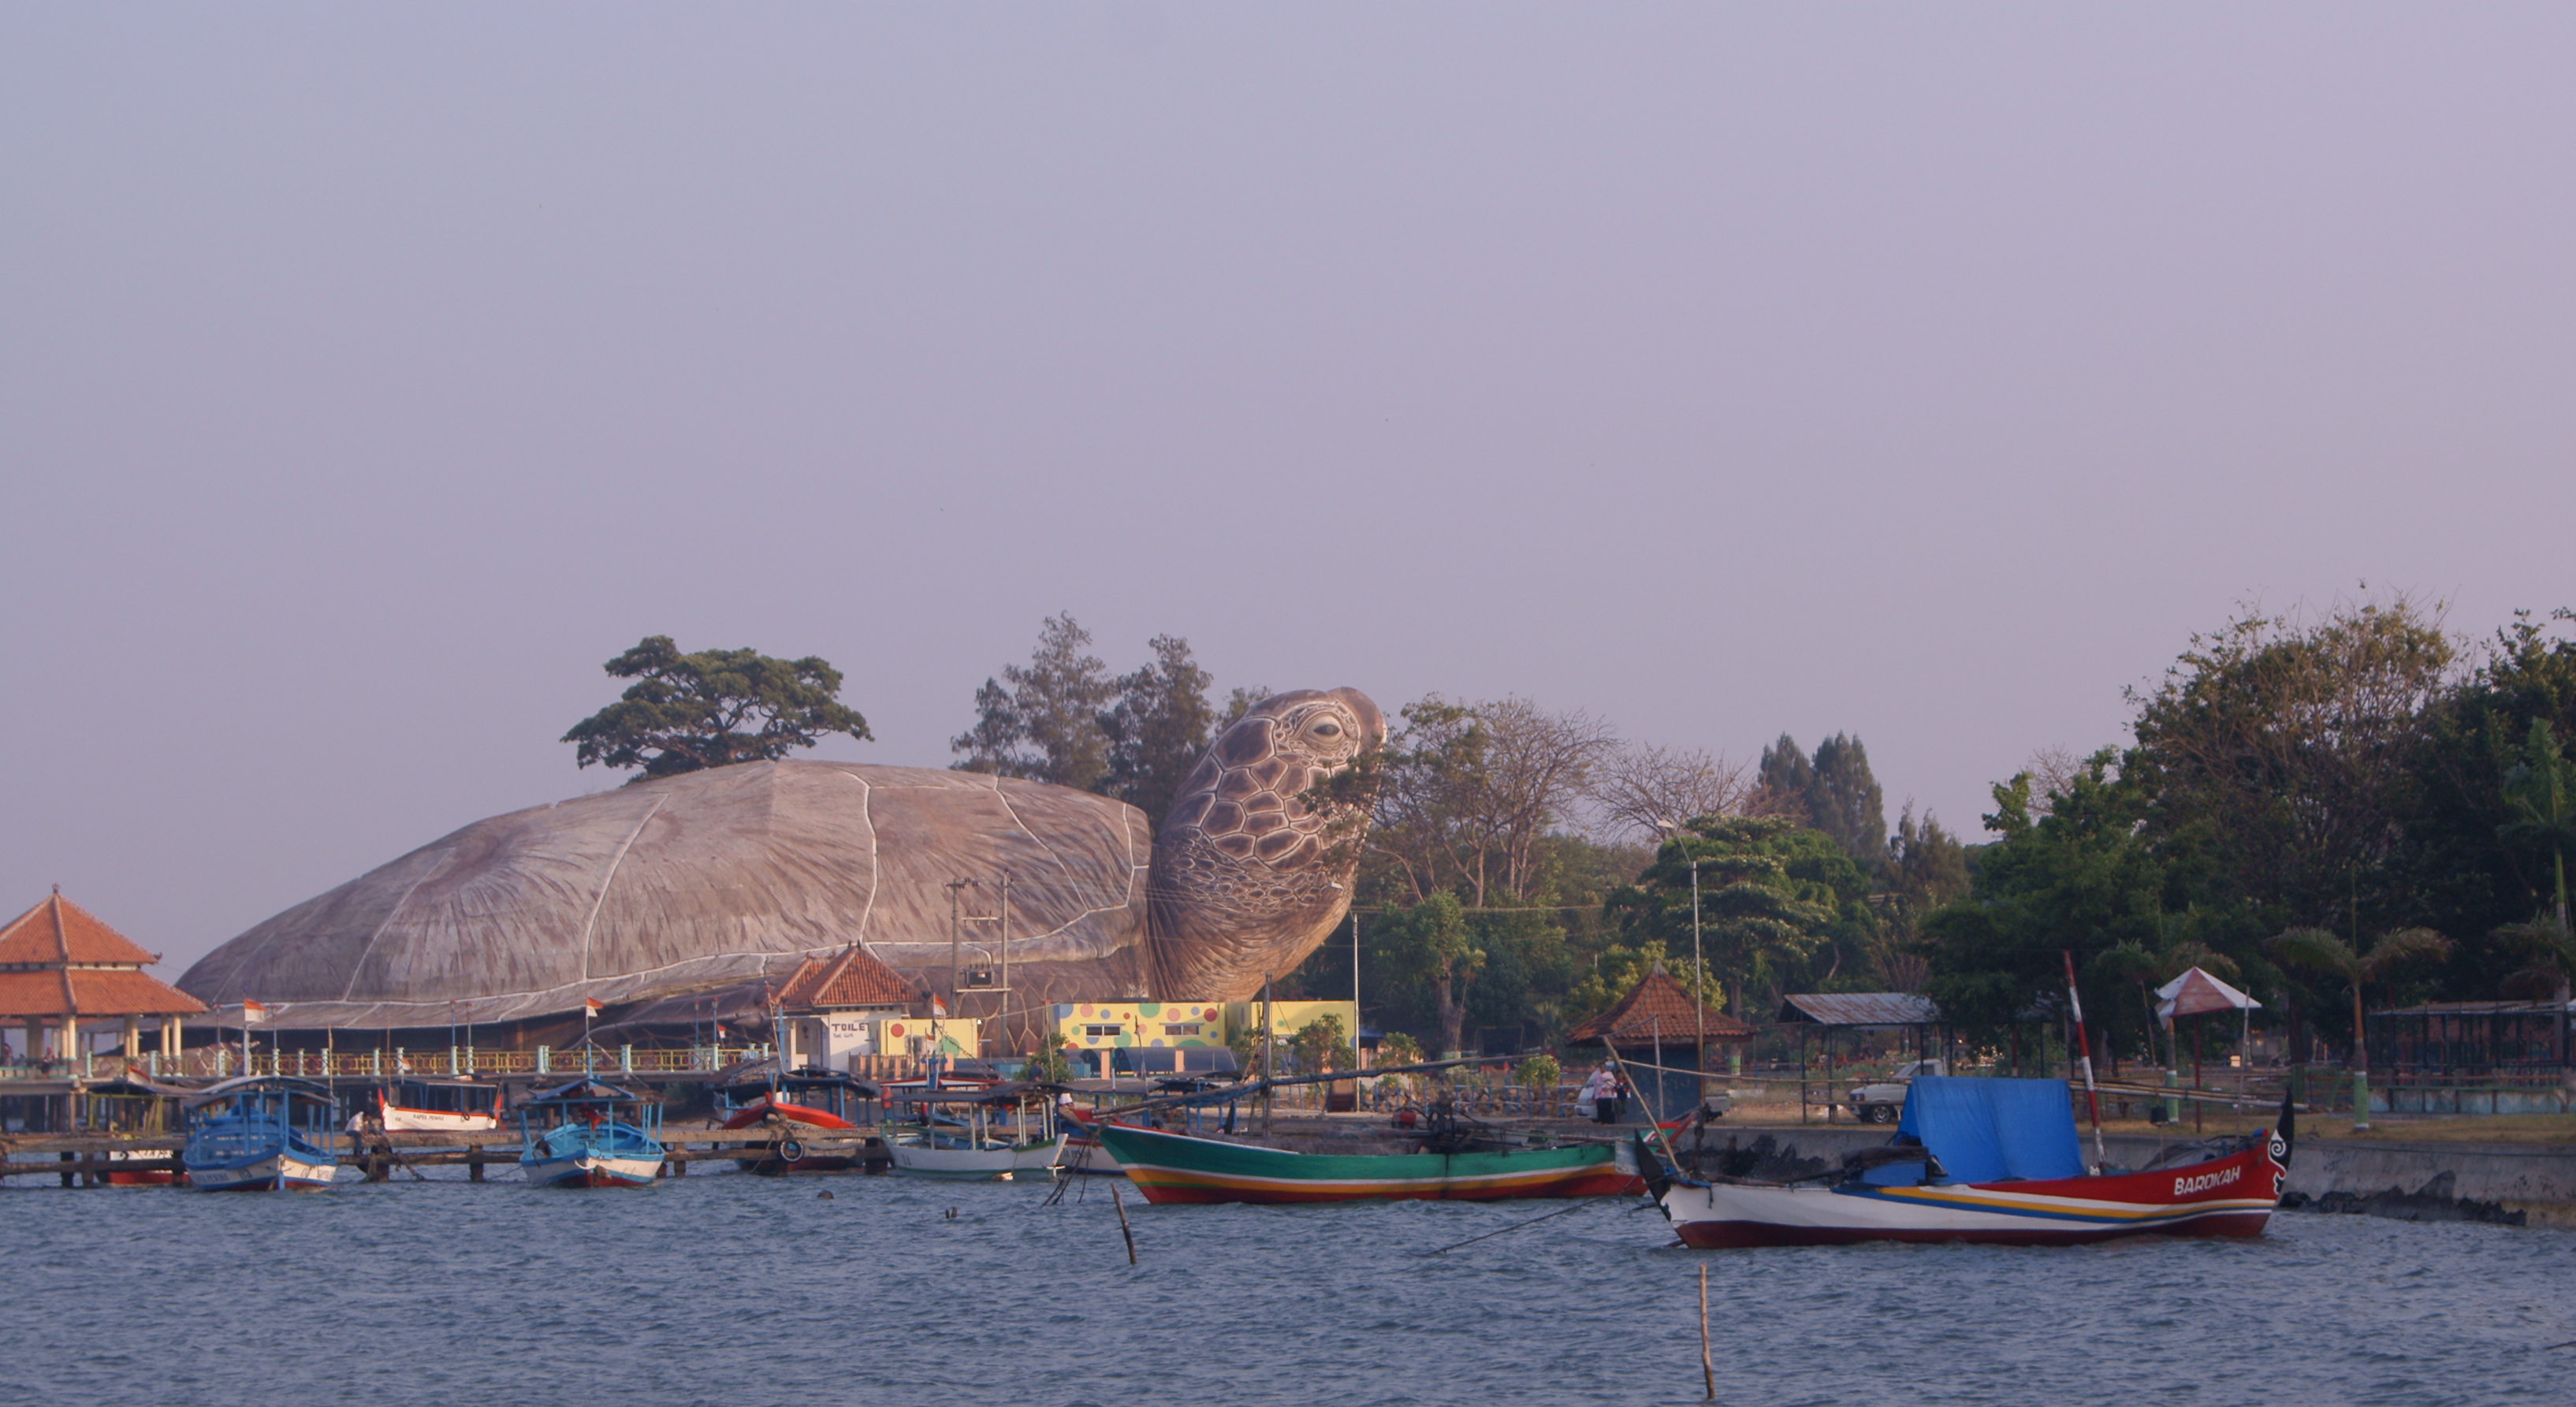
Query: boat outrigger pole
(2084, 1043)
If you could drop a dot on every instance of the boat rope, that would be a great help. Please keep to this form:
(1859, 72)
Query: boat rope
(1551, 1216)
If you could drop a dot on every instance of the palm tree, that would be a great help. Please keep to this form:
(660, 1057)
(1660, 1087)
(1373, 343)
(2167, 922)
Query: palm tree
(2320, 951)
(2542, 791)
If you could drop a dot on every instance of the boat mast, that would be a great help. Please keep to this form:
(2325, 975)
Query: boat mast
(2084, 1043)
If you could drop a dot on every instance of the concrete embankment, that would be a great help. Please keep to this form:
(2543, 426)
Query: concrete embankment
(2514, 1184)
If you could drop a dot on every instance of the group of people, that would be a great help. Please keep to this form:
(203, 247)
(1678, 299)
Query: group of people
(1606, 1093)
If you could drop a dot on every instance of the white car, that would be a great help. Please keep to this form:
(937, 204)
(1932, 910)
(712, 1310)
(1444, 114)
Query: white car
(1879, 1103)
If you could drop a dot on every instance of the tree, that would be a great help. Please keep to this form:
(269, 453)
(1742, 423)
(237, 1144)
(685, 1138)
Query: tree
(1787, 777)
(2542, 791)
(1322, 1045)
(1833, 793)
(2284, 751)
(1464, 793)
(712, 708)
(1650, 791)
(1429, 943)
(1046, 725)
(1846, 802)
(2080, 878)
(1774, 896)
(2320, 951)
(1157, 728)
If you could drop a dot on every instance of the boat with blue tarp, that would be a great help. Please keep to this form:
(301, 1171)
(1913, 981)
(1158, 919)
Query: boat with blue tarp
(1987, 1160)
(260, 1133)
(588, 1134)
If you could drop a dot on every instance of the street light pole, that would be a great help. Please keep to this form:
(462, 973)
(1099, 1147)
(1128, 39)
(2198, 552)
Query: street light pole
(1699, 986)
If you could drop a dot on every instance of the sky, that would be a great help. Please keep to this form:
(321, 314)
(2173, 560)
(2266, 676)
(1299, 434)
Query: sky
(369, 375)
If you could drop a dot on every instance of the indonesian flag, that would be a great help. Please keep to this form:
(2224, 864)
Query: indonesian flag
(938, 1007)
(592, 1006)
(252, 1012)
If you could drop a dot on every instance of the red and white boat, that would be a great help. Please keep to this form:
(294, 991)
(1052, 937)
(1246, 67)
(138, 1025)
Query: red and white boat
(1993, 1161)
(798, 1106)
(438, 1106)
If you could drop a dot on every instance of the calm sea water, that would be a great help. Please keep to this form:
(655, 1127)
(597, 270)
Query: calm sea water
(732, 1289)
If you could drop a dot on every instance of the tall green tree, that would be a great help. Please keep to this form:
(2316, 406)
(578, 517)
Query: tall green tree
(2080, 877)
(1429, 943)
(1780, 904)
(1158, 724)
(1042, 721)
(2284, 751)
(1786, 778)
(1845, 801)
(711, 708)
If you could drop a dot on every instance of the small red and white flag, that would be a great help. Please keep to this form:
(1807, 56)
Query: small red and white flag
(253, 1013)
(592, 1006)
(938, 1007)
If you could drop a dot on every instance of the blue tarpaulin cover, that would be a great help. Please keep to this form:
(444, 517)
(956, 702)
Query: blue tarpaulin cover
(1991, 1130)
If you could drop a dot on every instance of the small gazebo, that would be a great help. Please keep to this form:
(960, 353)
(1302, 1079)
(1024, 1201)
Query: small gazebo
(1658, 1025)
(60, 967)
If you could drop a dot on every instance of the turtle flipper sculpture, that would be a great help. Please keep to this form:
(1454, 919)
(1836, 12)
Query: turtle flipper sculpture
(707, 880)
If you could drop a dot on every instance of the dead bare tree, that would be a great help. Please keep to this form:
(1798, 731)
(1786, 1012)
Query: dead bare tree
(1639, 789)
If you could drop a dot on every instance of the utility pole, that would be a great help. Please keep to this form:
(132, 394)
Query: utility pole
(1005, 1011)
(956, 932)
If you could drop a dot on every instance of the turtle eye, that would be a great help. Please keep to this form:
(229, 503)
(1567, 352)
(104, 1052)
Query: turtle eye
(1327, 729)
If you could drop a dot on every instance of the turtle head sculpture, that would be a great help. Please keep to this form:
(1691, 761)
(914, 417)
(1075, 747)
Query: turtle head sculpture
(1249, 877)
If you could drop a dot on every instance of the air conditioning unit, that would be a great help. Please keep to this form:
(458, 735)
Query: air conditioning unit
(975, 977)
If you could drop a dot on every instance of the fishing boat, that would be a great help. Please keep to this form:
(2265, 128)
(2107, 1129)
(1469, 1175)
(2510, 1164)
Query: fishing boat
(1993, 1161)
(132, 1105)
(438, 1106)
(959, 1133)
(587, 1134)
(260, 1133)
(1177, 1167)
(822, 1119)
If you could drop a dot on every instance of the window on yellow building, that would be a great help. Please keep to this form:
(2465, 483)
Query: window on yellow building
(1097, 1031)
(1186, 1028)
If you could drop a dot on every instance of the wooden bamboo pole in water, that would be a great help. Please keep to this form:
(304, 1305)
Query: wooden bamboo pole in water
(1707, 1369)
(1123, 1228)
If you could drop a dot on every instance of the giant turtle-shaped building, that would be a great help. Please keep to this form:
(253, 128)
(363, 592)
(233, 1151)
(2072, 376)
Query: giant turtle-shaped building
(718, 878)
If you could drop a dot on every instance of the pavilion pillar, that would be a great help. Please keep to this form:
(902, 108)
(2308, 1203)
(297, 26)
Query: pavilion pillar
(133, 1039)
(71, 1039)
(34, 1047)
(170, 1037)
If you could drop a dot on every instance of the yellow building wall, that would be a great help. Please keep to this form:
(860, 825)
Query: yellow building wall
(956, 1035)
(1116, 1025)
(1288, 1018)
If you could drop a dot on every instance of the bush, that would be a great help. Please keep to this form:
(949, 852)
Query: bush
(1537, 1072)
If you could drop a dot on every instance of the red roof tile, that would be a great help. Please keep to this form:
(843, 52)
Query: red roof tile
(58, 930)
(848, 978)
(1658, 1008)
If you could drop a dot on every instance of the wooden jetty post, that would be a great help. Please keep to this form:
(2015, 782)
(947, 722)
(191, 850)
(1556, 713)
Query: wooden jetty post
(1707, 1368)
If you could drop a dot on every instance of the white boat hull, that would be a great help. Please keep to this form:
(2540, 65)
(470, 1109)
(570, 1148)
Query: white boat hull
(591, 1170)
(398, 1119)
(977, 1162)
(277, 1170)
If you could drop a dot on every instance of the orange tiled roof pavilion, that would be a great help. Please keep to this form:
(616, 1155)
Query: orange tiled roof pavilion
(60, 965)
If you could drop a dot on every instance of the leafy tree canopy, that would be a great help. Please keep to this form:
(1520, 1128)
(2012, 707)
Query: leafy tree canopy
(1063, 718)
(710, 709)
(1780, 906)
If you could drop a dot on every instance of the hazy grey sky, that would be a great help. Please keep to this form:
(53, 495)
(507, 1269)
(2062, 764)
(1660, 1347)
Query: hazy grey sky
(369, 374)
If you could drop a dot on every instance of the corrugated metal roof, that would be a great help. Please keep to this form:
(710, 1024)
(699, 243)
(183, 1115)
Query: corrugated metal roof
(1860, 1009)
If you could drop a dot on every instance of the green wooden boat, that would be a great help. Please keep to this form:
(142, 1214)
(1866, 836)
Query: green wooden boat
(1172, 1167)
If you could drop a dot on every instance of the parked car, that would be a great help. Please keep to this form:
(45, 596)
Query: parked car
(1880, 1102)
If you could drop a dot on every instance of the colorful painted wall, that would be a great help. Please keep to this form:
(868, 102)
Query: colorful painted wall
(1113, 1025)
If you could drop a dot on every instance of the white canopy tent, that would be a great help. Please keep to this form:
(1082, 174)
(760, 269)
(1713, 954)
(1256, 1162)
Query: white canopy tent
(2196, 993)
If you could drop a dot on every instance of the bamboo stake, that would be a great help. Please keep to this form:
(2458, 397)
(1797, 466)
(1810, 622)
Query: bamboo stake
(1707, 1369)
(1123, 1228)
